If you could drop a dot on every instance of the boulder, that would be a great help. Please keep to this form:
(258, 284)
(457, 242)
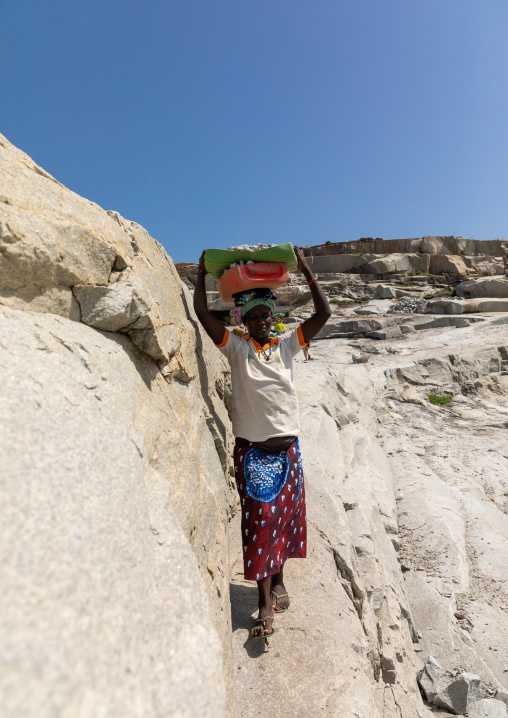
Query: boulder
(475, 288)
(383, 291)
(440, 263)
(397, 263)
(432, 678)
(487, 708)
(484, 265)
(290, 295)
(459, 694)
(452, 694)
(473, 306)
(444, 306)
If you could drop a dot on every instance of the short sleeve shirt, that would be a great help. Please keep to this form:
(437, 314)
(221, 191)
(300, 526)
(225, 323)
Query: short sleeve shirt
(265, 404)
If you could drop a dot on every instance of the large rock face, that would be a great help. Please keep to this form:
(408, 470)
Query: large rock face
(336, 263)
(394, 263)
(114, 450)
(479, 288)
(420, 245)
(452, 264)
(118, 510)
(408, 534)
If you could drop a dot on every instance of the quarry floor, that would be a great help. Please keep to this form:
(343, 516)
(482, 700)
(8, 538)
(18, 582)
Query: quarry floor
(456, 454)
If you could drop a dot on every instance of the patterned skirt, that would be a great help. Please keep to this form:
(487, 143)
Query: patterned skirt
(272, 497)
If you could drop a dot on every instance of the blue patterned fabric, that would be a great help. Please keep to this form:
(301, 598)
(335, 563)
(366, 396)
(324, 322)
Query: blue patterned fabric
(266, 474)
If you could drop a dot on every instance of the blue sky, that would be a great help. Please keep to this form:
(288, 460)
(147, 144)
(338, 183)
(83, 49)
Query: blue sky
(227, 121)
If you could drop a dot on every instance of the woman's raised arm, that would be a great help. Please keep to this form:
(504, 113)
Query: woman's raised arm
(322, 311)
(210, 324)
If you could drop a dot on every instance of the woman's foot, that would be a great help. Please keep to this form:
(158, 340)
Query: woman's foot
(280, 598)
(263, 625)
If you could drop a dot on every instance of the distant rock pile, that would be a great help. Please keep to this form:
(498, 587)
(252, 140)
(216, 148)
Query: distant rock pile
(409, 306)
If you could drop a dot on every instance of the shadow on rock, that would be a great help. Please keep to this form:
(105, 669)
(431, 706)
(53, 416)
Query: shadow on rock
(244, 608)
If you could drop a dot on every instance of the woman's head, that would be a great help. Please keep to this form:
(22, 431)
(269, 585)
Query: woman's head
(258, 321)
(256, 308)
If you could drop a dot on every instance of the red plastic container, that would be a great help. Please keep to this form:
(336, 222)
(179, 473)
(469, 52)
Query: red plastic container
(271, 275)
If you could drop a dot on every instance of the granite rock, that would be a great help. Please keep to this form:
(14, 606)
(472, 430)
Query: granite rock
(116, 490)
(446, 263)
(384, 292)
(480, 288)
(393, 263)
(457, 696)
(487, 708)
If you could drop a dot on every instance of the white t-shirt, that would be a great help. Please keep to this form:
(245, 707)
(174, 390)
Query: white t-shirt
(264, 397)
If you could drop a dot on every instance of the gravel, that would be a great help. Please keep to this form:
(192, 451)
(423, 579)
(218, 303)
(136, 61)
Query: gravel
(409, 306)
(251, 247)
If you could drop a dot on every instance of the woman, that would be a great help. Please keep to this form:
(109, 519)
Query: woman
(267, 461)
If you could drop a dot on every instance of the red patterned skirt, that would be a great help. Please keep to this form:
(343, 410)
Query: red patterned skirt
(272, 496)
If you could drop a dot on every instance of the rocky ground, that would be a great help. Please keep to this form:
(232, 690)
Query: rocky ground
(423, 494)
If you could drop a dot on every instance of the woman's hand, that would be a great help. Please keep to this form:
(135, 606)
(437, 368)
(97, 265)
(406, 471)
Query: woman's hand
(302, 262)
(201, 265)
(322, 313)
(212, 326)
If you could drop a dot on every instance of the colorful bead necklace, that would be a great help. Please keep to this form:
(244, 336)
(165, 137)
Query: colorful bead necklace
(267, 356)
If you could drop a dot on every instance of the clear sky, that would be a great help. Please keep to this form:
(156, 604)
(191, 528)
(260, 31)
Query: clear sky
(219, 122)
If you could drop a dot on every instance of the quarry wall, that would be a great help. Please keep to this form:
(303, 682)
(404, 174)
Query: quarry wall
(122, 585)
(115, 451)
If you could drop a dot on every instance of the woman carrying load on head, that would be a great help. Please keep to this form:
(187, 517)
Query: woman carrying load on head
(268, 466)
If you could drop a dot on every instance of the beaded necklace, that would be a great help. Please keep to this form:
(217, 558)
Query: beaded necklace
(267, 356)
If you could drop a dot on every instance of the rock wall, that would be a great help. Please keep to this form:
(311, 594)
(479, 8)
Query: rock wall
(122, 583)
(116, 490)
(418, 245)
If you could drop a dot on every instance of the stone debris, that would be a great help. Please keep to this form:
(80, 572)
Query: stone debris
(251, 247)
(487, 708)
(409, 306)
(452, 694)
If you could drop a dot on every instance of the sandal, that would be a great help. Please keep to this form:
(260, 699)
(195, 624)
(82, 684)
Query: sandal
(262, 622)
(276, 597)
